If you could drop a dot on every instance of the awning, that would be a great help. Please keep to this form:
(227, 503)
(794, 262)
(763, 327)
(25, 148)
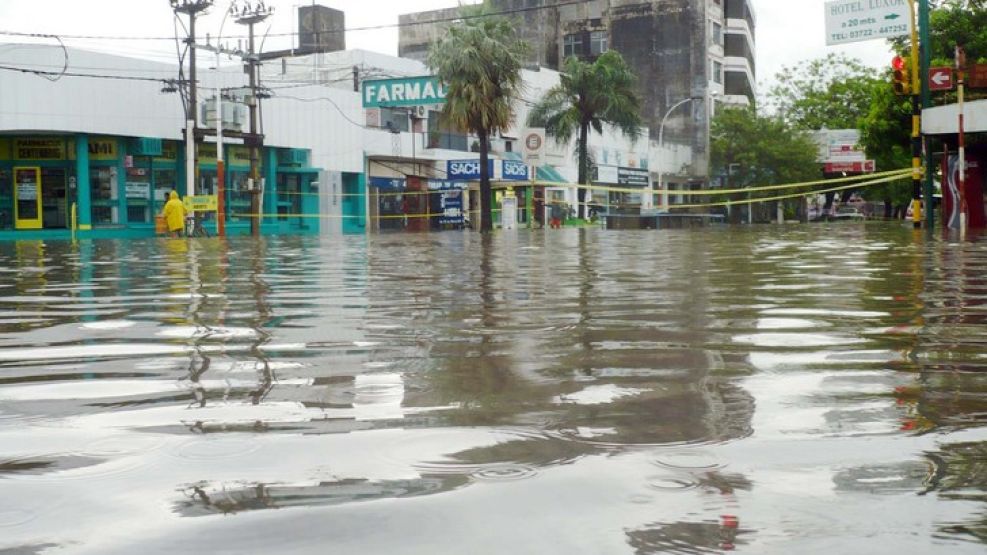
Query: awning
(549, 173)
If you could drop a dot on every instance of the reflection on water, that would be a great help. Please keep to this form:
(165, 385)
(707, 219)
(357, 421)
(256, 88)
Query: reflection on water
(578, 391)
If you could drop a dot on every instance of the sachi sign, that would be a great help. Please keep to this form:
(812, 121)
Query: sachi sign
(467, 169)
(405, 91)
(513, 170)
(510, 170)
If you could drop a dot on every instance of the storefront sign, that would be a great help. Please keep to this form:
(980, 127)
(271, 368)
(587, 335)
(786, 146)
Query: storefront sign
(102, 149)
(452, 208)
(201, 203)
(388, 183)
(866, 166)
(634, 177)
(27, 190)
(467, 169)
(207, 154)
(238, 155)
(39, 149)
(514, 170)
(138, 190)
(406, 91)
(446, 185)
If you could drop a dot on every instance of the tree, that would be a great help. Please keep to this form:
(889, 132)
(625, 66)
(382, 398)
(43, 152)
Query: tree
(885, 134)
(589, 95)
(832, 92)
(479, 61)
(753, 150)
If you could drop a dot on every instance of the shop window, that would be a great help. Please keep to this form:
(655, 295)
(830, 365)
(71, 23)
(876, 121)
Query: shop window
(238, 194)
(444, 136)
(598, 43)
(206, 185)
(572, 45)
(138, 191)
(54, 198)
(165, 181)
(6, 199)
(289, 195)
(103, 195)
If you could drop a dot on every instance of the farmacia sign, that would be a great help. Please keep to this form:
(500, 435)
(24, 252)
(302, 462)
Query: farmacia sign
(405, 91)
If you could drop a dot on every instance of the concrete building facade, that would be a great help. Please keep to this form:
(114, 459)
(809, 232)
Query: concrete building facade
(680, 49)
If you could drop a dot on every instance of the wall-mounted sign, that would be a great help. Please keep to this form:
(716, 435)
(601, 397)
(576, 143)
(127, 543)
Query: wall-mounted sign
(39, 148)
(138, 190)
(388, 183)
(405, 91)
(201, 203)
(513, 170)
(467, 169)
(977, 76)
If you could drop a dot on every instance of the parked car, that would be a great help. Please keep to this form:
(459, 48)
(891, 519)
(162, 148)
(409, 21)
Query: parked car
(849, 213)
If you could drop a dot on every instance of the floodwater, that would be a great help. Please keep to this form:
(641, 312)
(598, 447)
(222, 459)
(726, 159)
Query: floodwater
(799, 389)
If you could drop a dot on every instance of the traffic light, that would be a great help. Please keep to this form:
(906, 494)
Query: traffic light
(902, 80)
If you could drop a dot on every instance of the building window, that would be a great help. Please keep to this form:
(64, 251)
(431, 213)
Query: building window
(572, 45)
(394, 119)
(717, 33)
(717, 72)
(598, 43)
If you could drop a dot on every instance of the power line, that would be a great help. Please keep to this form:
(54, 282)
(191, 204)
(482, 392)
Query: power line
(328, 31)
(58, 74)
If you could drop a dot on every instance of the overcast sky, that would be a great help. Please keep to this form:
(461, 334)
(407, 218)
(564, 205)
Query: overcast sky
(788, 31)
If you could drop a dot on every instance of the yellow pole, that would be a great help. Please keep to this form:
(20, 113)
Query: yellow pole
(916, 122)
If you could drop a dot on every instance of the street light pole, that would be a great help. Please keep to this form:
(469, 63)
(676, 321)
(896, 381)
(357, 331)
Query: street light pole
(191, 8)
(649, 200)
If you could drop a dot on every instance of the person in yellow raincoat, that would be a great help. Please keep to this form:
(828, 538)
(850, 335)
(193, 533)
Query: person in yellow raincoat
(174, 215)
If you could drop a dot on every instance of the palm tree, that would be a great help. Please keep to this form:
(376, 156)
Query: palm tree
(589, 95)
(479, 61)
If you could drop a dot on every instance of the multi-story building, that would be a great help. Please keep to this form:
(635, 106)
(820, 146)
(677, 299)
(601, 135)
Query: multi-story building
(680, 49)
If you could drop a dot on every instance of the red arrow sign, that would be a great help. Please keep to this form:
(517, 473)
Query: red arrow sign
(940, 78)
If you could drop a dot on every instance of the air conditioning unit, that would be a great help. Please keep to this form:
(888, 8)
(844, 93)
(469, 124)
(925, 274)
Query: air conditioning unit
(419, 112)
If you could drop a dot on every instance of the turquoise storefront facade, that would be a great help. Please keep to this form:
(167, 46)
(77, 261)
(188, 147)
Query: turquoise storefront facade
(118, 184)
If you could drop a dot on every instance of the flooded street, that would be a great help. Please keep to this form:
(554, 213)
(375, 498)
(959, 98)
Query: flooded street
(810, 389)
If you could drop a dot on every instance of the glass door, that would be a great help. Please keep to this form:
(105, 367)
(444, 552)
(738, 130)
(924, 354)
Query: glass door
(27, 198)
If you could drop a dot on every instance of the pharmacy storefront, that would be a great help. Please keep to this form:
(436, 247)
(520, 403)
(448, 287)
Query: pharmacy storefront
(107, 186)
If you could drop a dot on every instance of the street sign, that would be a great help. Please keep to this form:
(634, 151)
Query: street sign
(976, 77)
(940, 78)
(859, 20)
(866, 166)
(406, 91)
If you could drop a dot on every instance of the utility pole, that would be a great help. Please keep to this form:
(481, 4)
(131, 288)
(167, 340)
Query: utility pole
(916, 89)
(925, 42)
(191, 8)
(250, 16)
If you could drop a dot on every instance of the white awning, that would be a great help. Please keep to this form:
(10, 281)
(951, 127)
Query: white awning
(944, 120)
